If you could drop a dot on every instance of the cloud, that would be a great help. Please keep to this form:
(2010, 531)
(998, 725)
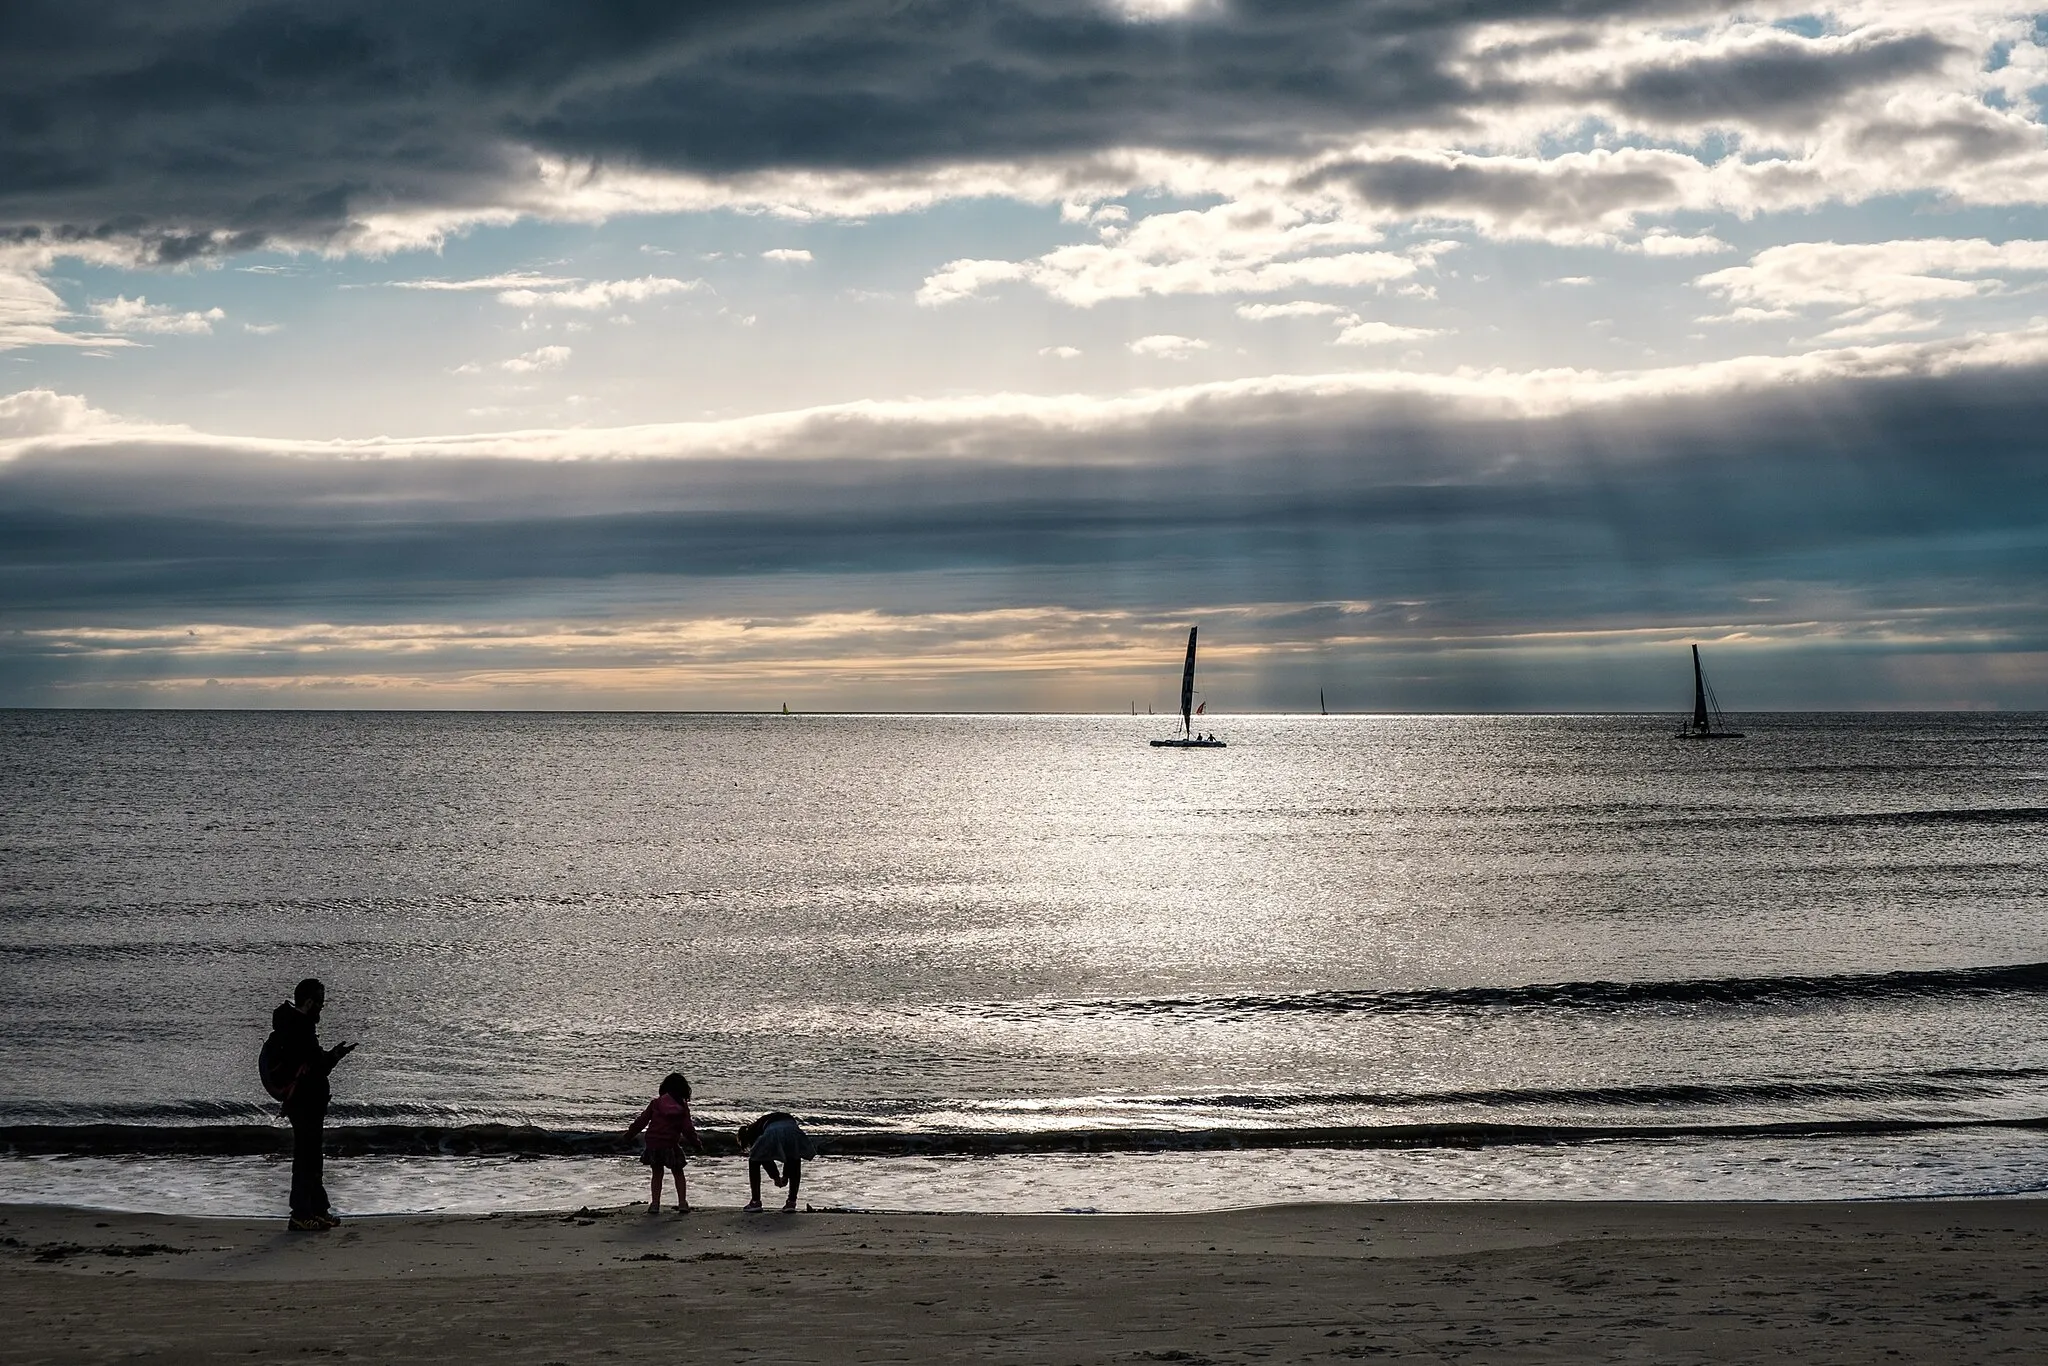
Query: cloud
(597, 295)
(1876, 288)
(541, 358)
(1060, 352)
(35, 413)
(1577, 194)
(1167, 346)
(1772, 79)
(172, 134)
(1235, 248)
(492, 283)
(123, 314)
(1299, 308)
(530, 290)
(791, 255)
(1882, 499)
(262, 122)
(1360, 332)
(1659, 242)
(30, 312)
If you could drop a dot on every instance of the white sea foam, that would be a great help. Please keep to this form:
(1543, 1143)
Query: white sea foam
(1969, 1164)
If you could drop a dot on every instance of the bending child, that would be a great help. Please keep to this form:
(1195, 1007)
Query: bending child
(667, 1122)
(775, 1138)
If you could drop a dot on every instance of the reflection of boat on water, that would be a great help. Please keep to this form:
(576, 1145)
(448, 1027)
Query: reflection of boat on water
(1707, 722)
(1188, 739)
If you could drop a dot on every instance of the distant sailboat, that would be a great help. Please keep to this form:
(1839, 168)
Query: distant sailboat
(1706, 723)
(785, 708)
(1322, 701)
(1188, 739)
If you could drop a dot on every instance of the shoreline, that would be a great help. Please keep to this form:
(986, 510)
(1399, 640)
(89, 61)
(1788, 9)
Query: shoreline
(520, 1140)
(1488, 1281)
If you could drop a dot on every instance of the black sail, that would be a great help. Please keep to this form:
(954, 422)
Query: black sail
(1187, 687)
(1699, 692)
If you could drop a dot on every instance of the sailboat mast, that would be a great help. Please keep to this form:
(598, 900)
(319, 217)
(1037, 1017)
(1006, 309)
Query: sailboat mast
(1699, 693)
(1187, 688)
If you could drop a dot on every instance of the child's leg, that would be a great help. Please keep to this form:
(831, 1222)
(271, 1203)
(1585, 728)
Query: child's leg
(654, 1187)
(754, 1183)
(796, 1178)
(682, 1190)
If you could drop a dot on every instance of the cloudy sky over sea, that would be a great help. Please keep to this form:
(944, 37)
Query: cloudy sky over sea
(899, 355)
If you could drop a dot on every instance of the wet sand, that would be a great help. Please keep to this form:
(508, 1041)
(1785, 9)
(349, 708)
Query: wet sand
(1959, 1281)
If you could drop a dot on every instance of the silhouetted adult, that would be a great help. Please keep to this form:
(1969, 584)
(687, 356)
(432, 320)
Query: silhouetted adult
(295, 1069)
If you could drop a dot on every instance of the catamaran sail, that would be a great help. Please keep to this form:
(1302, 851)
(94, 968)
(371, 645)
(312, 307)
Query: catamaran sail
(1707, 723)
(1188, 710)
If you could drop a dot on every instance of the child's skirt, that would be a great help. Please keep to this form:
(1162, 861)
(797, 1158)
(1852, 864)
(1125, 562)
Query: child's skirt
(663, 1157)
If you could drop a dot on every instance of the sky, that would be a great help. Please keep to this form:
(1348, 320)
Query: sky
(889, 355)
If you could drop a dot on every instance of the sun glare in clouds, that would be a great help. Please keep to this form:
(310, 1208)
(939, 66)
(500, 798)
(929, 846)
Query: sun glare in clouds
(974, 364)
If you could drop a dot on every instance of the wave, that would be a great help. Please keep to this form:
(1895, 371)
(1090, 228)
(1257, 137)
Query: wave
(203, 1116)
(187, 1112)
(516, 1141)
(2022, 979)
(1958, 1084)
(1968, 815)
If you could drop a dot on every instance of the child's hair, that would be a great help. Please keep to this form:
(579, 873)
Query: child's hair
(677, 1085)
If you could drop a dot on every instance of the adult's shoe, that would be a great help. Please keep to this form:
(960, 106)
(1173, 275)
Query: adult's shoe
(310, 1223)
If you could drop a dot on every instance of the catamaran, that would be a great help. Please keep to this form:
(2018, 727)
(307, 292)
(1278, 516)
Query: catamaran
(1188, 739)
(1707, 722)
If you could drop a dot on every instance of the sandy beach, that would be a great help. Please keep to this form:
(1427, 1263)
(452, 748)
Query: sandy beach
(1943, 1281)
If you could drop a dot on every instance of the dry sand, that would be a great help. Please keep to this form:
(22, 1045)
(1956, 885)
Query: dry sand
(1946, 1282)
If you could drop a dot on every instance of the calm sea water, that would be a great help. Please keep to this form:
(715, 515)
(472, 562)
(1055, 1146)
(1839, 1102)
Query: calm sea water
(1002, 926)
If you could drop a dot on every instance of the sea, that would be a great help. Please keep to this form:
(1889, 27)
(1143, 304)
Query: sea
(1017, 963)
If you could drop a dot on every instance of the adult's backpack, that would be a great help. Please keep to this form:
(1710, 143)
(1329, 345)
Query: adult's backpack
(275, 1066)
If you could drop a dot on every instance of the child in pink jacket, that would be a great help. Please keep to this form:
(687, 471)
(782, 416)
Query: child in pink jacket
(667, 1122)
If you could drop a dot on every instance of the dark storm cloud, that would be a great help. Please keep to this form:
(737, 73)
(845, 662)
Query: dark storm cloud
(197, 127)
(1783, 82)
(1549, 196)
(1967, 134)
(1621, 512)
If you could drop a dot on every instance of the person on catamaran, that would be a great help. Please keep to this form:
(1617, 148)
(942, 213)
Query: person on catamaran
(775, 1138)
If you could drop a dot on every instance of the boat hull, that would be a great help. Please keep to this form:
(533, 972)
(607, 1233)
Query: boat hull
(1710, 735)
(1190, 744)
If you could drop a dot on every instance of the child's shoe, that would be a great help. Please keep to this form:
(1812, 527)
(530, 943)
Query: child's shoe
(307, 1223)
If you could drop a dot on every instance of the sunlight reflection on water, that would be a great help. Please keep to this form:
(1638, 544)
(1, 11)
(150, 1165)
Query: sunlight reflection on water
(986, 922)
